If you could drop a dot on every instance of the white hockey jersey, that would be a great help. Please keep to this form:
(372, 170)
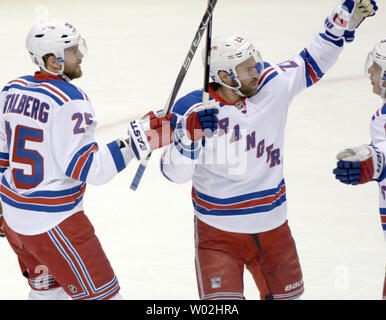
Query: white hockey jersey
(238, 182)
(48, 152)
(378, 138)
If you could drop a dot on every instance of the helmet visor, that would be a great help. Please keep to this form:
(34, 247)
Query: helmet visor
(250, 69)
(368, 64)
(75, 53)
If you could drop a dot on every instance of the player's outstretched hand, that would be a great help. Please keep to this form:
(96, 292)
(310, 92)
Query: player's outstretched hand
(190, 131)
(347, 16)
(198, 124)
(359, 165)
(151, 132)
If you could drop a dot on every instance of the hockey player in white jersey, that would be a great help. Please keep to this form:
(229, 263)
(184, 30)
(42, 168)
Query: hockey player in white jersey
(366, 163)
(239, 193)
(48, 154)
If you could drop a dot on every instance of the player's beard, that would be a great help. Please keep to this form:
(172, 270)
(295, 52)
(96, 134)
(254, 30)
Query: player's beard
(73, 71)
(249, 89)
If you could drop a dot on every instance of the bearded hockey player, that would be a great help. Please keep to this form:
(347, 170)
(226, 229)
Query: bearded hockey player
(239, 192)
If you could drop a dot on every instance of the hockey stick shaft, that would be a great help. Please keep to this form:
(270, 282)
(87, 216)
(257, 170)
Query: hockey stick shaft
(208, 45)
(206, 19)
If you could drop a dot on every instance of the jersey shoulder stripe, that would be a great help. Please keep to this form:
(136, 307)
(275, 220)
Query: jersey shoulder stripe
(379, 112)
(186, 102)
(266, 76)
(59, 90)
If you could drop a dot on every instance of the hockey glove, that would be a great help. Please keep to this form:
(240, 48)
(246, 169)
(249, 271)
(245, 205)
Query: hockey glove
(347, 16)
(190, 132)
(148, 133)
(360, 165)
(363, 9)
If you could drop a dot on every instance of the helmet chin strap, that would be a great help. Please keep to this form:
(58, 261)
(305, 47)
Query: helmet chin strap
(235, 89)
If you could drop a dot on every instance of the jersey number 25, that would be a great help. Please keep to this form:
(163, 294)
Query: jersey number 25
(20, 154)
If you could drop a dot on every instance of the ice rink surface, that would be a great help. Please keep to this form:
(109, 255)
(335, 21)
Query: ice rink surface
(136, 48)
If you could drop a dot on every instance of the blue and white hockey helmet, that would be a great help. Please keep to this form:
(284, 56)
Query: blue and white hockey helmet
(52, 36)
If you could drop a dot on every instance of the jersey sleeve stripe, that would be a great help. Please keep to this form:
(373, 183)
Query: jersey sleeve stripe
(4, 164)
(4, 161)
(83, 163)
(117, 155)
(382, 211)
(312, 70)
(4, 156)
(337, 42)
(74, 161)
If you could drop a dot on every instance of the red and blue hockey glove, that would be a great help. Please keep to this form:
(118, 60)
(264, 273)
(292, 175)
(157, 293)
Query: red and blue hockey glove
(190, 131)
(360, 165)
(347, 16)
(148, 133)
(363, 9)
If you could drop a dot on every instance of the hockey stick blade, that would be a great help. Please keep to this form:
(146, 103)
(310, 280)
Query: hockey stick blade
(181, 75)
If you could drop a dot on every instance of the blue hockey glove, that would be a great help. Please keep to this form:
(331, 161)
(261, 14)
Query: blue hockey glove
(189, 133)
(360, 165)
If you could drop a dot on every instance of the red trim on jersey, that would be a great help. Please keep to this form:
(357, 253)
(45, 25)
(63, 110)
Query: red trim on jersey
(81, 161)
(52, 89)
(4, 163)
(41, 77)
(312, 73)
(20, 81)
(46, 76)
(383, 219)
(41, 200)
(265, 74)
(246, 204)
(220, 99)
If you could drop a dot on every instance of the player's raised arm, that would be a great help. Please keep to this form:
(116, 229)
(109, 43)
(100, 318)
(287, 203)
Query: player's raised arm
(311, 64)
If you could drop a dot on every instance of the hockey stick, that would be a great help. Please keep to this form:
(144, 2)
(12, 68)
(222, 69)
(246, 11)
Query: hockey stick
(206, 19)
(208, 45)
